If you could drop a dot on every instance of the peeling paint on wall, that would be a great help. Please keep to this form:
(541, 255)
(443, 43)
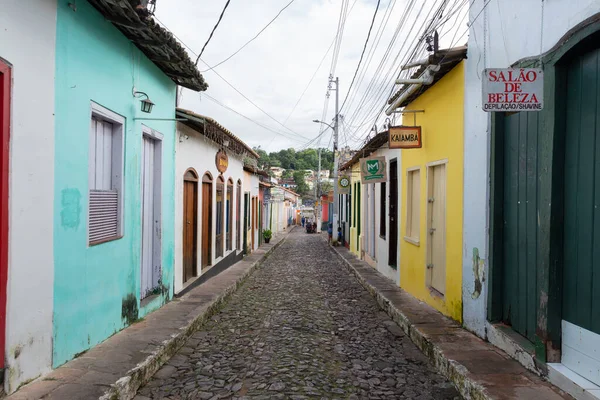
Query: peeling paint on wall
(478, 273)
(129, 309)
(70, 208)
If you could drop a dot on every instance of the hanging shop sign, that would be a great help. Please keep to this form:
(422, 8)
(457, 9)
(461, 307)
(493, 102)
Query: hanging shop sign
(222, 161)
(513, 89)
(372, 170)
(277, 194)
(405, 137)
(343, 184)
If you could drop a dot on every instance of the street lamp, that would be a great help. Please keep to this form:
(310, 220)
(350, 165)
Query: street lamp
(325, 123)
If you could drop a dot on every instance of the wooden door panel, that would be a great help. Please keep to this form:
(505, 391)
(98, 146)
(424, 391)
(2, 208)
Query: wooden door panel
(520, 226)
(190, 239)
(581, 276)
(437, 234)
(393, 216)
(206, 256)
(149, 264)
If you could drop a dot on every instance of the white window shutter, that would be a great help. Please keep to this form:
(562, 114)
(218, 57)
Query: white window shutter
(103, 223)
(104, 215)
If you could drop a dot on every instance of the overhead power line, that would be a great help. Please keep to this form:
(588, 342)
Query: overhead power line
(251, 40)
(361, 55)
(213, 30)
(309, 82)
(250, 119)
(251, 102)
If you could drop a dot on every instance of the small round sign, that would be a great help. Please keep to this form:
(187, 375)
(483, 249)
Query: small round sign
(344, 182)
(222, 161)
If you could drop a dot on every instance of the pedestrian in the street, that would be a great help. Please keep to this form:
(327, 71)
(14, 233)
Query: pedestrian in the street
(303, 221)
(339, 235)
(329, 233)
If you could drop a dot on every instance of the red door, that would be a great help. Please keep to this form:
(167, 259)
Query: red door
(4, 150)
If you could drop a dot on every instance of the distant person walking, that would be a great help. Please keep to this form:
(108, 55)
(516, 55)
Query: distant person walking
(303, 221)
(329, 233)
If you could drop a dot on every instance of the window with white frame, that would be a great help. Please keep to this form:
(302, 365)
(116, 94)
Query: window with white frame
(105, 176)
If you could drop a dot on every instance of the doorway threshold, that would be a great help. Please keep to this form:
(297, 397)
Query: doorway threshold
(513, 344)
(572, 383)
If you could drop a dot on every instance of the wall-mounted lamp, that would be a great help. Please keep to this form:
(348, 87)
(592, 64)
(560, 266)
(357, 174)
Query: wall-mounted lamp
(147, 104)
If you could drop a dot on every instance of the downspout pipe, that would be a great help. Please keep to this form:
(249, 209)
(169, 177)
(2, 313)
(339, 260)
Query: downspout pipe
(425, 79)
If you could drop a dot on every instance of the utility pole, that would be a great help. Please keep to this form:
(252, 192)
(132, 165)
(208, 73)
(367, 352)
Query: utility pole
(335, 218)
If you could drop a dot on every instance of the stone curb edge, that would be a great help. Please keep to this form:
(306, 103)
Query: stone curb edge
(454, 371)
(127, 386)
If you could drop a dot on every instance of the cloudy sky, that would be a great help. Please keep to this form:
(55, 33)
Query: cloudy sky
(274, 70)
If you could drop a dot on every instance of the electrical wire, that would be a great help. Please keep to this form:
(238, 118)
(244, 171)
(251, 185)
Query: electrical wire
(213, 30)
(249, 119)
(361, 55)
(194, 53)
(309, 82)
(251, 40)
(407, 56)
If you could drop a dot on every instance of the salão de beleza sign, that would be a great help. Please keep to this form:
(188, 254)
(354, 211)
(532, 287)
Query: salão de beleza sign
(513, 89)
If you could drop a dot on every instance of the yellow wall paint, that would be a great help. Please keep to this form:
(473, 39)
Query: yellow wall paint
(354, 239)
(442, 127)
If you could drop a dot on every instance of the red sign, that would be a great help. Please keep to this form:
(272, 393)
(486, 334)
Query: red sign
(513, 89)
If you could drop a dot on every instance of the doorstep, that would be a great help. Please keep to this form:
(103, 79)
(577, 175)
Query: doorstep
(478, 369)
(572, 383)
(117, 367)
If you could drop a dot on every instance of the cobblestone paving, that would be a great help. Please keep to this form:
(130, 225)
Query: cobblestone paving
(300, 327)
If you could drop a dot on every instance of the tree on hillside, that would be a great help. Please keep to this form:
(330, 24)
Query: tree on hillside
(296, 160)
(302, 187)
(264, 161)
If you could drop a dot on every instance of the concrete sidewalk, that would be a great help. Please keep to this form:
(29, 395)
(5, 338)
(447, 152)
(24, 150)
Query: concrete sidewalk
(478, 369)
(116, 368)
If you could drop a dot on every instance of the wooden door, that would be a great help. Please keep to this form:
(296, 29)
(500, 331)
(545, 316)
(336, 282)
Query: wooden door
(151, 247)
(206, 252)
(238, 216)
(190, 225)
(581, 272)
(246, 221)
(219, 218)
(519, 223)
(253, 218)
(436, 227)
(5, 100)
(229, 216)
(393, 216)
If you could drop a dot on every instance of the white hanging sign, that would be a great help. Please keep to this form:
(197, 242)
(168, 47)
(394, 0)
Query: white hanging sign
(513, 89)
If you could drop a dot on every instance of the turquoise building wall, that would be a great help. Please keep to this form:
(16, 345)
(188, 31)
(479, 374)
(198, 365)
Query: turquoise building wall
(97, 288)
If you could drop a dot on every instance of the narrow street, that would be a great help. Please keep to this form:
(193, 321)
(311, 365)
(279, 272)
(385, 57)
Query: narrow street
(300, 327)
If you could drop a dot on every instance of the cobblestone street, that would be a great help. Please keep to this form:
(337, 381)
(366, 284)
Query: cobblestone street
(300, 327)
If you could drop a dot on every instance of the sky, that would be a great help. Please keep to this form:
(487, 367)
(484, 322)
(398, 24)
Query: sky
(274, 70)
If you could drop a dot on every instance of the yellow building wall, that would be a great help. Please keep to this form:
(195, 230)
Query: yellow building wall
(354, 239)
(442, 130)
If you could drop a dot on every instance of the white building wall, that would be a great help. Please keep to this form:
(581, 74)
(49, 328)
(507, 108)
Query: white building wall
(199, 153)
(381, 245)
(28, 42)
(505, 32)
